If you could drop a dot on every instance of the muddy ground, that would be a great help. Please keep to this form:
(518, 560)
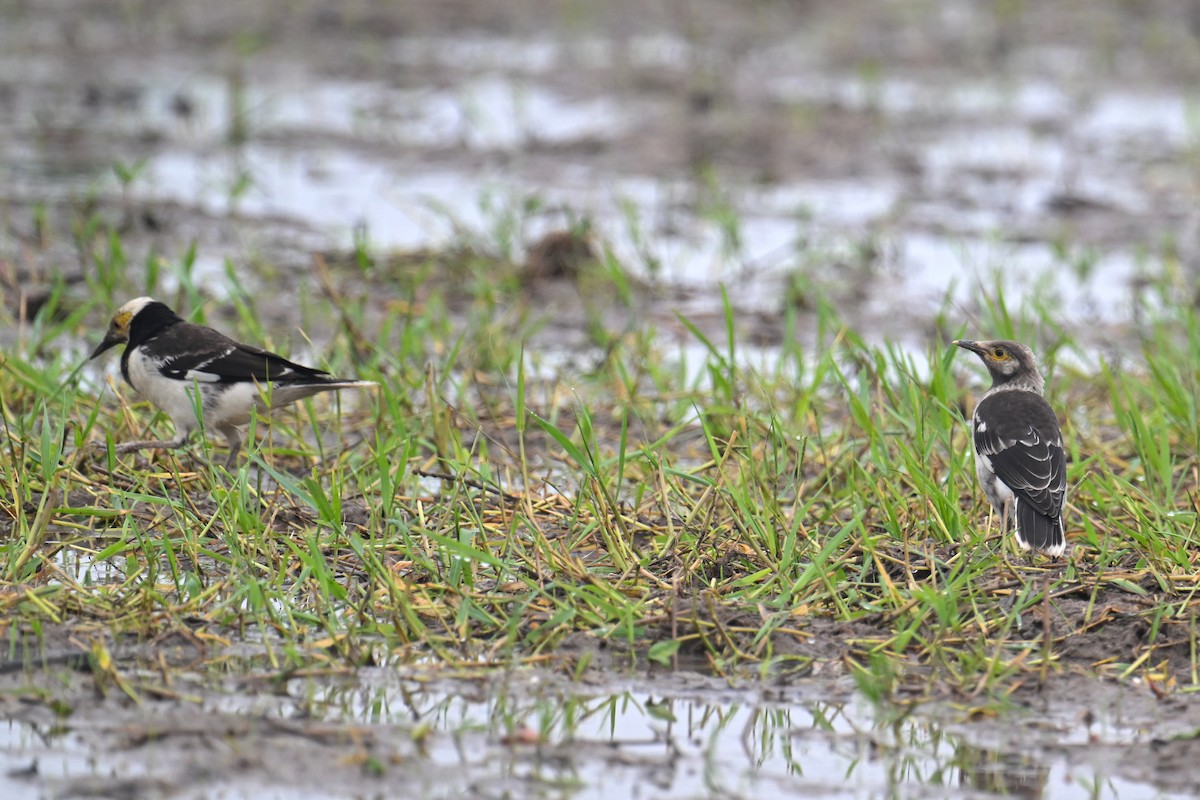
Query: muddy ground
(889, 158)
(179, 717)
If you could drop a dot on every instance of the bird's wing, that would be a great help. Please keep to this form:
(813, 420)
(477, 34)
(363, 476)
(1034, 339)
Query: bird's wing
(203, 354)
(1024, 446)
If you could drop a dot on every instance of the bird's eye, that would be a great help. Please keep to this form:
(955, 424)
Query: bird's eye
(999, 354)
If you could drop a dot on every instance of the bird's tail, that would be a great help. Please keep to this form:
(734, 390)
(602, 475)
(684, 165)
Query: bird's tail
(283, 392)
(1034, 529)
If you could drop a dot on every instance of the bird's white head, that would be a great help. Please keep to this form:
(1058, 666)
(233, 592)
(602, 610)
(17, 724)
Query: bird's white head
(118, 328)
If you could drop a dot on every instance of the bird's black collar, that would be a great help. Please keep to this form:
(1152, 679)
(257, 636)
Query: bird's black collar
(151, 320)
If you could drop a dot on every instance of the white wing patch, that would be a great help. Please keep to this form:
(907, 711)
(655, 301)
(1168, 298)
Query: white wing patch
(198, 372)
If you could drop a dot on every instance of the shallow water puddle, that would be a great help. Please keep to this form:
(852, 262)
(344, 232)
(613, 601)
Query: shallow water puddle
(85, 568)
(678, 736)
(728, 743)
(480, 137)
(359, 175)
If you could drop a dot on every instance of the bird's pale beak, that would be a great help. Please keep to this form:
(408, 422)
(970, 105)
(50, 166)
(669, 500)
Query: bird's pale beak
(968, 344)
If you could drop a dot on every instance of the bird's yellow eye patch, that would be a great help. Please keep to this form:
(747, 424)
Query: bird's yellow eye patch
(999, 354)
(121, 320)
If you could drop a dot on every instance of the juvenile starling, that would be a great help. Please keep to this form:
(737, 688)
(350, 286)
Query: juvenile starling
(1019, 455)
(172, 362)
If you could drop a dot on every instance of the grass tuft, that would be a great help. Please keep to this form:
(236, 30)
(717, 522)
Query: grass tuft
(736, 512)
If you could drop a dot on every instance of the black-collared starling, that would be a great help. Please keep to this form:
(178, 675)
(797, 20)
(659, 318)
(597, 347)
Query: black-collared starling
(1019, 456)
(181, 367)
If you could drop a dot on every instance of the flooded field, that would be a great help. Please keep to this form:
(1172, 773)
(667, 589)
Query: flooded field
(531, 733)
(904, 163)
(905, 157)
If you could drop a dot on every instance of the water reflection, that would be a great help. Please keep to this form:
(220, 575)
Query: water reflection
(1009, 774)
(714, 743)
(538, 735)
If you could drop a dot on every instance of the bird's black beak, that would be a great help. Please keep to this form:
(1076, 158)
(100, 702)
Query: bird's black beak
(110, 340)
(967, 344)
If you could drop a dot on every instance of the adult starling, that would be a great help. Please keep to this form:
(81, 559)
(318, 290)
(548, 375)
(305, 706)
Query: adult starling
(181, 367)
(1019, 455)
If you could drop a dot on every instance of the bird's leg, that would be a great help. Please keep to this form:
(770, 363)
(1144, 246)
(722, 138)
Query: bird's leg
(1005, 510)
(987, 536)
(234, 438)
(1004, 557)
